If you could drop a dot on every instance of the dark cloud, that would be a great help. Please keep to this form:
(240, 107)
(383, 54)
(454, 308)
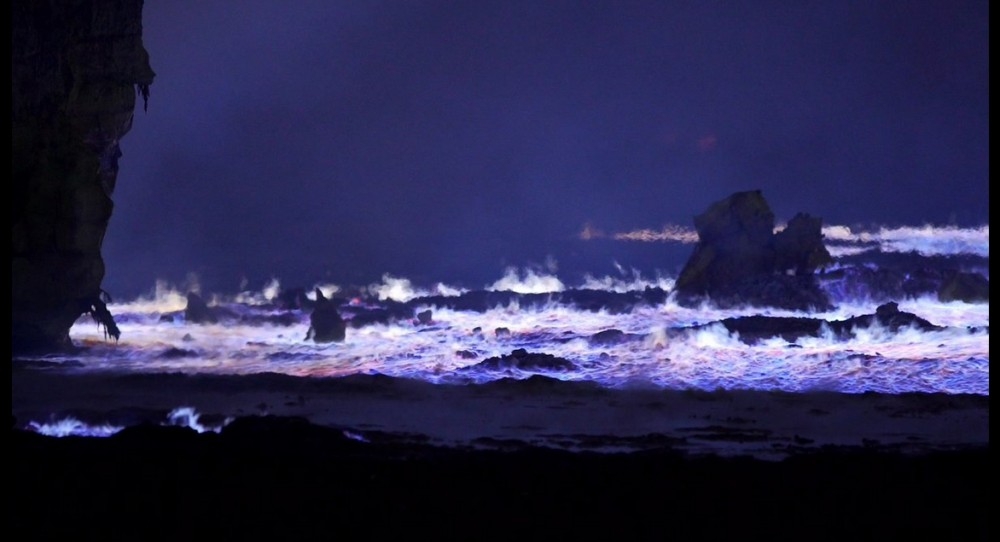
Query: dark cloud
(340, 140)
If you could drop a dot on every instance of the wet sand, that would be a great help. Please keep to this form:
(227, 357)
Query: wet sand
(536, 412)
(315, 456)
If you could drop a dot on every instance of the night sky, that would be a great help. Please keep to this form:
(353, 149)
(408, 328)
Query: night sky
(335, 141)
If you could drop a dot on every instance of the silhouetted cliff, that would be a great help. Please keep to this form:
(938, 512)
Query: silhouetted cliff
(76, 69)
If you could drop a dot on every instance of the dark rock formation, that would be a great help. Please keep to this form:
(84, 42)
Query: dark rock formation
(799, 247)
(197, 311)
(177, 353)
(881, 277)
(752, 329)
(608, 336)
(425, 317)
(76, 67)
(612, 336)
(863, 282)
(740, 261)
(360, 316)
(326, 324)
(271, 478)
(293, 299)
(526, 361)
(967, 287)
(582, 299)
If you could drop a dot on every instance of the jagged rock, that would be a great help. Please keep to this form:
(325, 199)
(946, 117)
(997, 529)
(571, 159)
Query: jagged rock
(364, 316)
(583, 299)
(740, 261)
(862, 282)
(966, 287)
(424, 317)
(501, 332)
(882, 284)
(923, 281)
(735, 241)
(326, 324)
(76, 67)
(98, 310)
(752, 329)
(886, 315)
(293, 299)
(197, 311)
(799, 247)
(526, 361)
(608, 336)
(176, 353)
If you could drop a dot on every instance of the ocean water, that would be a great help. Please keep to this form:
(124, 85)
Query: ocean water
(665, 345)
(660, 352)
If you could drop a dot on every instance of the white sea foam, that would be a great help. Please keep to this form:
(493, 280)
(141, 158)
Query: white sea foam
(658, 347)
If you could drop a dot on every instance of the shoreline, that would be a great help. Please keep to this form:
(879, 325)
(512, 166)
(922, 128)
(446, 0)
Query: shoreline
(373, 456)
(536, 412)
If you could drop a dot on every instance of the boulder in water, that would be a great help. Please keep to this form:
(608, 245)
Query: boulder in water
(326, 324)
(966, 287)
(740, 261)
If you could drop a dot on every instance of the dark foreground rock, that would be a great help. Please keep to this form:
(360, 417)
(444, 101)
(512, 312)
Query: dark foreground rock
(284, 479)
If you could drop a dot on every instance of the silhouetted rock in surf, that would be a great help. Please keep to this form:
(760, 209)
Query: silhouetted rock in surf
(326, 324)
(740, 261)
(863, 282)
(906, 276)
(799, 247)
(365, 316)
(177, 353)
(198, 312)
(526, 361)
(582, 299)
(753, 329)
(967, 287)
(293, 298)
(425, 317)
(612, 336)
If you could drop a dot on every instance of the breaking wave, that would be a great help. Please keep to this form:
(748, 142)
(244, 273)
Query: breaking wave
(616, 331)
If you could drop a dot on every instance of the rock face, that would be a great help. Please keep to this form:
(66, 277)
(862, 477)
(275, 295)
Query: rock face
(526, 361)
(197, 311)
(76, 68)
(753, 329)
(799, 248)
(966, 287)
(325, 323)
(739, 260)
